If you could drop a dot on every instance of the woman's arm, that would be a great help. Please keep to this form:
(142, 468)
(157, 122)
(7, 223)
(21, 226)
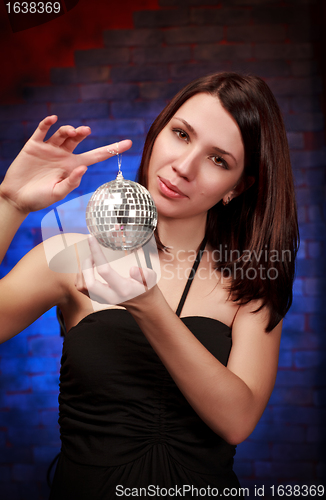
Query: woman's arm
(29, 290)
(229, 399)
(44, 172)
(10, 221)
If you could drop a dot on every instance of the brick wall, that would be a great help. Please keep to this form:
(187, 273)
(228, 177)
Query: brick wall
(118, 90)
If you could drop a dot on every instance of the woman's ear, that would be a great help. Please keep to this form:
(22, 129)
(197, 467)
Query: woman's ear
(244, 183)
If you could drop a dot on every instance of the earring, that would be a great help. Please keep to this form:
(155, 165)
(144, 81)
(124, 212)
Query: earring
(227, 201)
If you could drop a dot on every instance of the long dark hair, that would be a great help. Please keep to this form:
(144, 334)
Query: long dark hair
(255, 238)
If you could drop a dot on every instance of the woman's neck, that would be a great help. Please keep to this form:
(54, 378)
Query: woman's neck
(182, 234)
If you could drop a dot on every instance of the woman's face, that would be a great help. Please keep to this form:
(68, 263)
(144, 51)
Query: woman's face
(197, 159)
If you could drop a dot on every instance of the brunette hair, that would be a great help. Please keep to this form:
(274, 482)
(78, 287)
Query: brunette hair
(256, 236)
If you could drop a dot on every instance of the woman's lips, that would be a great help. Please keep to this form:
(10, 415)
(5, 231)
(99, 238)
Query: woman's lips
(169, 189)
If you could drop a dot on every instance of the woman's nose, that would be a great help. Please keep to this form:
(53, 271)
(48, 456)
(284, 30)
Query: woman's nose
(186, 165)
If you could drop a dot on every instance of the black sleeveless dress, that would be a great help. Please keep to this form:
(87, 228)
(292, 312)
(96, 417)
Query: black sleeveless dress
(124, 423)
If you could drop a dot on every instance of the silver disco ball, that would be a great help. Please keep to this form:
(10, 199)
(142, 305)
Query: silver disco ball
(121, 214)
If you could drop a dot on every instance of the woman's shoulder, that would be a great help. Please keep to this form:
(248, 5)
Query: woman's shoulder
(32, 287)
(62, 251)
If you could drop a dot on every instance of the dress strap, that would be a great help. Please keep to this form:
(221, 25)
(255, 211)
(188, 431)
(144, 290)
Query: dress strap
(191, 276)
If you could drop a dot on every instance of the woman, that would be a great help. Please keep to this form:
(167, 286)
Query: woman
(148, 399)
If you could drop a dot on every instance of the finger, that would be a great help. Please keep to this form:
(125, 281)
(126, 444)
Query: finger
(101, 293)
(64, 187)
(72, 142)
(79, 280)
(101, 154)
(44, 127)
(88, 271)
(96, 290)
(80, 284)
(141, 271)
(61, 135)
(97, 253)
(113, 279)
(140, 274)
(88, 284)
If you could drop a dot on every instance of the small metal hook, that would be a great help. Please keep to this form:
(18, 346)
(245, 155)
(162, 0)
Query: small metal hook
(116, 153)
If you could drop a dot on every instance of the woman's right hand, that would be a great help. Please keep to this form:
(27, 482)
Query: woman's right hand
(45, 172)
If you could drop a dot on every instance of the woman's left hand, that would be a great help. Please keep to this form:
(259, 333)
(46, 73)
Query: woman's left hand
(116, 290)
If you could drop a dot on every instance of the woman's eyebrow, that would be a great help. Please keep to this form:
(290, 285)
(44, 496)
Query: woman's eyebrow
(215, 148)
(189, 127)
(222, 152)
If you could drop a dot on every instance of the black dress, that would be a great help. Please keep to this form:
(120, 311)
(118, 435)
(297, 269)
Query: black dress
(125, 424)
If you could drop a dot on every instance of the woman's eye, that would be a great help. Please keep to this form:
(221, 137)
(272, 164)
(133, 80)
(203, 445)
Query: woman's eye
(218, 160)
(181, 134)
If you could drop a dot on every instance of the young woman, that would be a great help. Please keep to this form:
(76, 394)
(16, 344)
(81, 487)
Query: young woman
(157, 390)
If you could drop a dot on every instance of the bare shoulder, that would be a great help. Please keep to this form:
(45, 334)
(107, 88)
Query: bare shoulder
(252, 319)
(249, 328)
(54, 258)
(32, 287)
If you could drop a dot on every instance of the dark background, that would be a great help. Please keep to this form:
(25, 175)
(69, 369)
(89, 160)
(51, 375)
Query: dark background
(113, 66)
